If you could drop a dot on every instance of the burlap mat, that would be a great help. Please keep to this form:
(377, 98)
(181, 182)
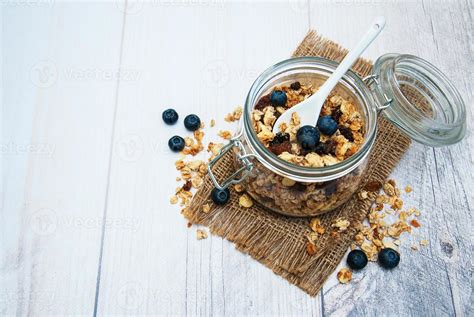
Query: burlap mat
(279, 242)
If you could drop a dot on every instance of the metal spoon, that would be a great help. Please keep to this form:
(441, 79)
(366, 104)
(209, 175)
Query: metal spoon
(309, 109)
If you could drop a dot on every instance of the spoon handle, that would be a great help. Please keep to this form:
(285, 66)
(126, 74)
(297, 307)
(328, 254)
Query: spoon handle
(376, 27)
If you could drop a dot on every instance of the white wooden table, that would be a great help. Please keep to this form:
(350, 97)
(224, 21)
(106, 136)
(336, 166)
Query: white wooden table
(87, 227)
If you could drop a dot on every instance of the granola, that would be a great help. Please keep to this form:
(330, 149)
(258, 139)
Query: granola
(201, 234)
(344, 275)
(333, 149)
(386, 222)
(285, 195)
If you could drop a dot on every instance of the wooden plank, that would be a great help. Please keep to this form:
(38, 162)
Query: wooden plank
(59, 60)
(433, 281)
(198, 59)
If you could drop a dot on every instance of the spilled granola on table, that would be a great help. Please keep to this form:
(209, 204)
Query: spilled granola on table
(385, 224)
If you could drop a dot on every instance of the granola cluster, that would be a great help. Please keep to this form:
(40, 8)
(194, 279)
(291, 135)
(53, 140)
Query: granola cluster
(386, 221)
(332, 149)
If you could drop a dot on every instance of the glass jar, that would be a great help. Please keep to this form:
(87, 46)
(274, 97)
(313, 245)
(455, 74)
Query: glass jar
(437, 118)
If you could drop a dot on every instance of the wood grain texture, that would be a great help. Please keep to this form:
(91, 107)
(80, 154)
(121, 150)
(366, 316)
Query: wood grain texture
(434, 280)
(58, 118)
(197, 59)
(86, 223)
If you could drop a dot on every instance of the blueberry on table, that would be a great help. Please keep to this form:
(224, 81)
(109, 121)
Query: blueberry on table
(356, 259)
(278, 98)
(327, 125)
(170, 116)
(192, 122)
(176, 143)
(220, 197)
(308, 137)
(389, 258)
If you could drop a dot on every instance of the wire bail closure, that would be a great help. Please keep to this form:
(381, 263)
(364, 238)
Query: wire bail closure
(242, 156)
(369, 80)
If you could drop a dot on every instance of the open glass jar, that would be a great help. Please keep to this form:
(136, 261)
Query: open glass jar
(410, 92)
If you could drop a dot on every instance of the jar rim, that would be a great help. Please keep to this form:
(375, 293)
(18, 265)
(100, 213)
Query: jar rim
(302, 173)
(444, 123)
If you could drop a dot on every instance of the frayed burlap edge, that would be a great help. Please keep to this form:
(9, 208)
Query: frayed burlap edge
(278, 241)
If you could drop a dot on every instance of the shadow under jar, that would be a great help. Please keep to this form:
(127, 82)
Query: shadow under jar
(408, 91)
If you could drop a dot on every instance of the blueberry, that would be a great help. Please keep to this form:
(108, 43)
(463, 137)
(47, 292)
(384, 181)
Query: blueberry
(356, 259)
(220, 197)
(278, 98)
(325, 147)
(192, 122)
(389, 258)
(296, 85)
(327, 125)
(170, 116)
(280, 138)
(176, 143)
(308, 137)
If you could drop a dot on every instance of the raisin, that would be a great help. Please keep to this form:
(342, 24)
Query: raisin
(336, 114)
(296, 85)
(373, 186)
(187, 186)
(304, 152)
(278, 148)
(263, 102)
(346, 132)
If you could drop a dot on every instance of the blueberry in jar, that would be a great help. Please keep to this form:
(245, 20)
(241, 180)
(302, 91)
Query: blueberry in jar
(324, 148)
(220, 197)
(170, 116)
(327, 125)
(279, 138)
(296, 85)
(308, 137)
(388, 258)
(278, 98)
(192, 122)
(356, 259)
(176, 143)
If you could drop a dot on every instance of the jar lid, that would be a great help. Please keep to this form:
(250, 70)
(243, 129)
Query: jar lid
(419, 99)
